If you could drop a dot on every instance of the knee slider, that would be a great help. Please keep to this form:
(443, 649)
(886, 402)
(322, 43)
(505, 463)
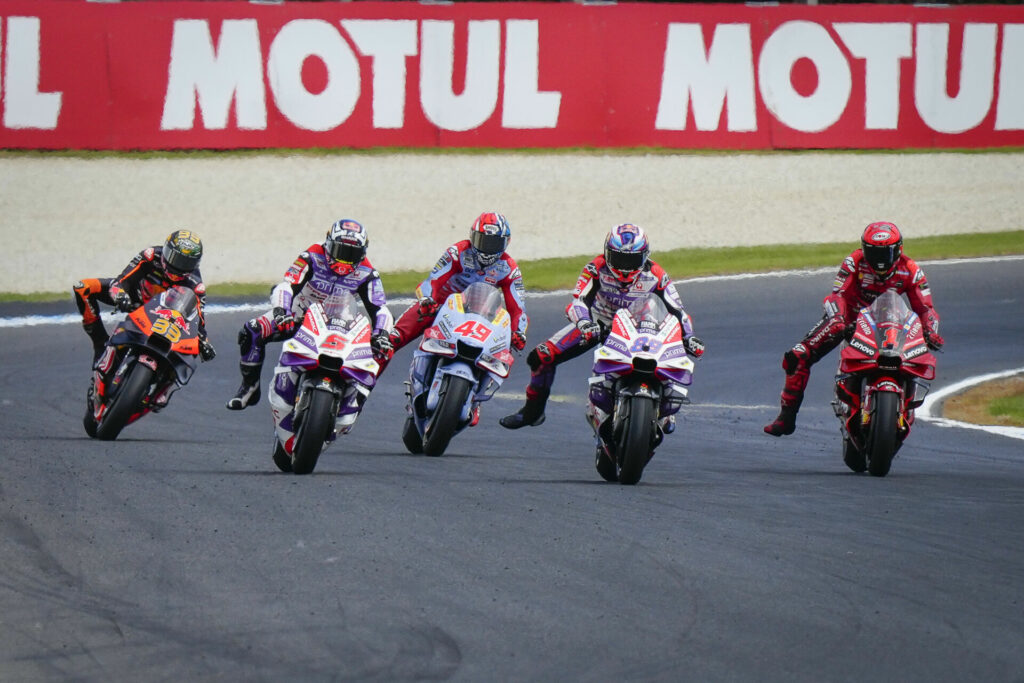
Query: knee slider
(794, 358)
(249, 335)
(543, 354)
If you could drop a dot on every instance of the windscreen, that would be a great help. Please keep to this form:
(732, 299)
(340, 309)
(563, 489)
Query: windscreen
(483, 299)
(341, 309)
(889, 309)
(649, 313)
(181, 299)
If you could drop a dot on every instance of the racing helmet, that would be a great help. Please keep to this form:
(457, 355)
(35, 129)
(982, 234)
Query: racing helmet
(882, 245)
(626, 250)
(345, 245)
(489, 236)
(180, 254)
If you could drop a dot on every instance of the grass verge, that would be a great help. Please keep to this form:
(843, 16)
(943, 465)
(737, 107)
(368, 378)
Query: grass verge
(561, 273)
(1000, 402)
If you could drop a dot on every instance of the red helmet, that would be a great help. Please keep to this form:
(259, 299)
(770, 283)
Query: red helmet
(882, 245)
(490, 236)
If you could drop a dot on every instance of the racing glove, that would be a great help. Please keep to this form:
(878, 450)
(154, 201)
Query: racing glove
(518, 340)
(284, 321)
(382, 347)
(122, 301)
(427, 308)
(933, 340)
(694, 346)
(206, 350)
(589, 329)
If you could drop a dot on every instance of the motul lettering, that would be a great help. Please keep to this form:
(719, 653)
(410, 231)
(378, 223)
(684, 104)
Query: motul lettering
(24, 106)
(723, 74)
(214, 77)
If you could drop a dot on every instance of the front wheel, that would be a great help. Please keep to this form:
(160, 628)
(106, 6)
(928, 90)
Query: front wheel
(127, 403)
(312, 434)
(441, 428)
(882, 434)
(411, 437)
(637, 437)
(853, 458)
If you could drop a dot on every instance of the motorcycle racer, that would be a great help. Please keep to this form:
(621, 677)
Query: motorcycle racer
(153, 270)
(624, 274)
(481, 258)
(879, 265)
(338, 263)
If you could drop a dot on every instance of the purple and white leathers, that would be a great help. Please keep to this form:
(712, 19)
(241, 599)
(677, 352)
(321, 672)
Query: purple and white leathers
(641, 374)
(337, 265)
(324, 375)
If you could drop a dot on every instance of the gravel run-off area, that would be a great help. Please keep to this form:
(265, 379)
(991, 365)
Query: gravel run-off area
(64, 218)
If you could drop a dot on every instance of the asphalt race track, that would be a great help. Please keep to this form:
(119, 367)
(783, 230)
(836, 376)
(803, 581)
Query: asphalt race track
(179, 552)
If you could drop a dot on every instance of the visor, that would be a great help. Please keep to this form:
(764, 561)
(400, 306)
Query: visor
(881, 258)
(488, 244)
(345, 251)
(179, 263)
(628, 261)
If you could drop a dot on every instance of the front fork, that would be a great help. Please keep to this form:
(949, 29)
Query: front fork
(855, 399)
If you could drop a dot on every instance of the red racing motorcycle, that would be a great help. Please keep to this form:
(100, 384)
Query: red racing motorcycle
(883, 376)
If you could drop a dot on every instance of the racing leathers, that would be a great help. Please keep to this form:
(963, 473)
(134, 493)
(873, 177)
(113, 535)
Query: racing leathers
(143, 278)
(856, 286)
(597, 296)
(309, 279)
(456, 270)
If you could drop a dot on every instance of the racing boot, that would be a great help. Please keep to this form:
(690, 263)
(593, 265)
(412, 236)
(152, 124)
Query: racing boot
(532, 412)
(98, 334)
(249, 393)
(785, 423)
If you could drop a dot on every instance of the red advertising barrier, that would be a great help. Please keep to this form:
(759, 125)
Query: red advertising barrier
(172, 75)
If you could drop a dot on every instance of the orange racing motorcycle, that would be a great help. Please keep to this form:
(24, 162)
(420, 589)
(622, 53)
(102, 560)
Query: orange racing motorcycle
(151, 354)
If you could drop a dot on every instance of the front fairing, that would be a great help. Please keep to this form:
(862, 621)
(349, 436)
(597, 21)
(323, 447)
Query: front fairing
(645, 340)
(167, 328)
(474, 327)
(888, 337)
(334, 338)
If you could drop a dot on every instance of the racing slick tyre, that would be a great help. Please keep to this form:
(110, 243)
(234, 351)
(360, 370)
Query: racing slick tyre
(89, 422)
(127, 403)
(853, 458)
(281, 457)
(316, 425)
(411, 437)
(445, 421)
(882, 433)
(605, 466)
(636, 440)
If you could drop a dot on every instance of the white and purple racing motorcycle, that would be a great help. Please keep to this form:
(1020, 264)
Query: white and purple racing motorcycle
(461, 361)
(322, 379)
(640, 380)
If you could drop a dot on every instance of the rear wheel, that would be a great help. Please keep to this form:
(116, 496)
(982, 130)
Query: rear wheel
(411, 437)
(281, 457)
(127, 402)
(312, 434)
(882, 436)
(637, 437)
(441, 428)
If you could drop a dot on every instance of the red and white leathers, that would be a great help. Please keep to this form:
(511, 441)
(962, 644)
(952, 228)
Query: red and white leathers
(312, 277)
(597, 296)
(456, 270)
(856, 286)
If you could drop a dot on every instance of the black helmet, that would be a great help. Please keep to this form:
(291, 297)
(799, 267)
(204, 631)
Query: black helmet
(181, 253)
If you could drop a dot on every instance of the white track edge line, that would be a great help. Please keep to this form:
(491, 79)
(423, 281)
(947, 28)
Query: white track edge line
(933, 400)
